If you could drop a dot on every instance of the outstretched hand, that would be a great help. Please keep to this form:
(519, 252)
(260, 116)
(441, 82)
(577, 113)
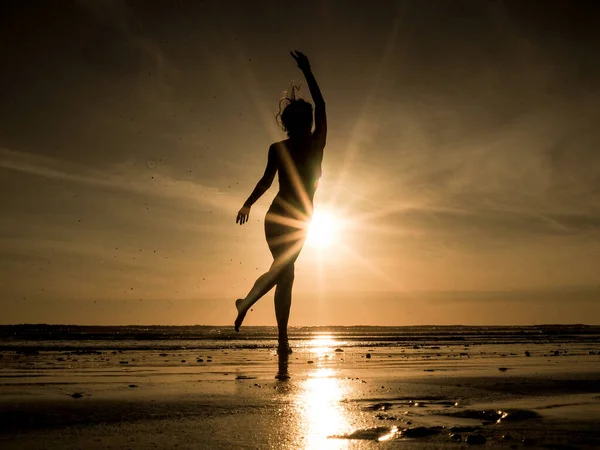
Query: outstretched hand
(243, 214)
(301, 60)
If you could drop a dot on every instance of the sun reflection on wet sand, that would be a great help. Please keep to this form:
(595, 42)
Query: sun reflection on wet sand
(320, 403)
(323, 414)
(322, 343)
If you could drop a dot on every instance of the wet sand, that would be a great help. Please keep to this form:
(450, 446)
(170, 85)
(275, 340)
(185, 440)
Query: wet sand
(448, 396)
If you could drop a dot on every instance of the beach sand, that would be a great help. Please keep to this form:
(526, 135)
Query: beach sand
(422, 397)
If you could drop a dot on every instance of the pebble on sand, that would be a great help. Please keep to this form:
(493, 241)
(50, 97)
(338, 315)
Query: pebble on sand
(368, 356)
(77, 395)
(338, 350)
(133, 385)
(502, 369)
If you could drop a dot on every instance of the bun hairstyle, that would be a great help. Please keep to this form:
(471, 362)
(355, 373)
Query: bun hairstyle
(295, 115)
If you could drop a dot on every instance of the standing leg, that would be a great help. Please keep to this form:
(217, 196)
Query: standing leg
(283, 303)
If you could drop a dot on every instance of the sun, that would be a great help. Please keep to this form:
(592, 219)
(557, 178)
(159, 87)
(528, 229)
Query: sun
(323, 230)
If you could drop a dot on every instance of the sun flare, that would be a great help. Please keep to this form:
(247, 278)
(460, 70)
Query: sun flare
(323, 230)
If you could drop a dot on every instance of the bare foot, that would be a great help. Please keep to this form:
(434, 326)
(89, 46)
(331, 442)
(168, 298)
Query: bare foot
(241, 314)
(284, 349)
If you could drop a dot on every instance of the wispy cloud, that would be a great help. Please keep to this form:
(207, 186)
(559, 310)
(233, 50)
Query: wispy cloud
(149, 181)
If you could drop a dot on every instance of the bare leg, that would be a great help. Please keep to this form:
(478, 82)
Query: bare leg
(283, 303)
(285, 252)
(263, 284)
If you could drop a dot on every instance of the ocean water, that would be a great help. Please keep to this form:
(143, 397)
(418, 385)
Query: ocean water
(71, 337)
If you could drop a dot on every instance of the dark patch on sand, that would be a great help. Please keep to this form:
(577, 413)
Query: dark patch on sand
(419, 432)
(476, 439)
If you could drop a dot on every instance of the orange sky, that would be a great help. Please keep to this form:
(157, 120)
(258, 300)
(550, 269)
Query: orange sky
(461, 160)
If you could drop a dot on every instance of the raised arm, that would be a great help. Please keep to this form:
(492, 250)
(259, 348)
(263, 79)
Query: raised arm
(261, 187)
(315, 92)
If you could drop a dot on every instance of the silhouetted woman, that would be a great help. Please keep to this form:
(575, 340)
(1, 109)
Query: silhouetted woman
(297, 160)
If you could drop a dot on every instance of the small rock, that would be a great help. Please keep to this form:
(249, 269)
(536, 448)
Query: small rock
(310, 361)
(502, 369)
(339, 350)
(133, 385)
(476, 439)
(368, 356)
(199, 360)
(162, 354)
(183, 360)
(527, 353)
(123, 362)
(77, 395)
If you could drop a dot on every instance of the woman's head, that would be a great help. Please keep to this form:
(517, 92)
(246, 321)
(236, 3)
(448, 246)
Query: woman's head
(296, 119)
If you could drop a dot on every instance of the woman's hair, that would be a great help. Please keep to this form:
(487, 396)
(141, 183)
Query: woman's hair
(295, 115)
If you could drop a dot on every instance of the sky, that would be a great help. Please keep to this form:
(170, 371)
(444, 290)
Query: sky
(462, 163)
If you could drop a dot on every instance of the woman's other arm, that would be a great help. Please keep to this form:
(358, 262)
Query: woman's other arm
(261, 187)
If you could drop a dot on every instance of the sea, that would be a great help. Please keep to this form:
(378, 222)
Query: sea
(44, 337)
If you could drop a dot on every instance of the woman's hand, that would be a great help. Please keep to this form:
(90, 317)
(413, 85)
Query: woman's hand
(243, 214)
(301, 60)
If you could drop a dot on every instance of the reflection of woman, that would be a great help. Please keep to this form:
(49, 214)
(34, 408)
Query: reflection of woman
(297, 160)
